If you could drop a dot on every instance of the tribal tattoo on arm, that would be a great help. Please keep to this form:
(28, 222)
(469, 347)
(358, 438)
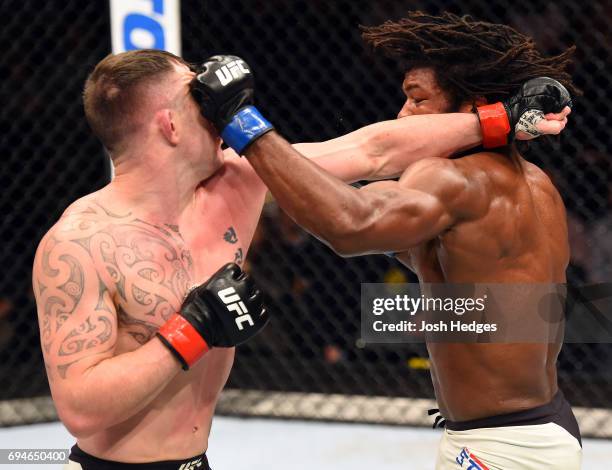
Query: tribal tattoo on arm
(97, 274)
(77, 319)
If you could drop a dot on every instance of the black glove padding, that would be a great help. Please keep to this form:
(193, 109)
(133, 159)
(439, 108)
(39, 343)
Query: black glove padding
(228, 309)
(541, 95)
(224, 85)
(537, 97)
(224, 311)
(224, 90)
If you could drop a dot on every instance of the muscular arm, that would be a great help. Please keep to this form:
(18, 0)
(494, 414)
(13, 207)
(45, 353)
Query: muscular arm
(91, 387)
(385, 216)
(386, 149)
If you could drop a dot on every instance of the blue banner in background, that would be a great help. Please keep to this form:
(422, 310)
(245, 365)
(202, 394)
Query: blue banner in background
(145, 24)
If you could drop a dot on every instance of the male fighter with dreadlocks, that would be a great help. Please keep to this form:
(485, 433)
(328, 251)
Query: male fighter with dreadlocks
(488, 217)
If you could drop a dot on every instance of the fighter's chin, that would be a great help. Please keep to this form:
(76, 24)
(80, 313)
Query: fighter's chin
(212, 166)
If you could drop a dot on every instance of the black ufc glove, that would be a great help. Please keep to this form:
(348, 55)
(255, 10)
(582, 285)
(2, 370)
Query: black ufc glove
(224, 89)
(521, 112)
(225, 311)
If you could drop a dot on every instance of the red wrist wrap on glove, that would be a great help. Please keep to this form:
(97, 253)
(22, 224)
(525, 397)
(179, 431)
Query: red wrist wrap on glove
(184, 338)
(494, 124)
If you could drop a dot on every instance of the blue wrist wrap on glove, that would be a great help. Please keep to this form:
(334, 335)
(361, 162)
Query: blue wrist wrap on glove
(247, 125)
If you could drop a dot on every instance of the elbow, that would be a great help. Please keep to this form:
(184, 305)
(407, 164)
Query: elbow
(81, 421)
(78, 424)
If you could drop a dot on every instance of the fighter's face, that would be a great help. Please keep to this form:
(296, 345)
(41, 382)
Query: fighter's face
(423, 94)
(203, 139)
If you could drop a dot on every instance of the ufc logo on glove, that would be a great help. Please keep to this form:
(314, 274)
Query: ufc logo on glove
(231, 71)
(232, 300)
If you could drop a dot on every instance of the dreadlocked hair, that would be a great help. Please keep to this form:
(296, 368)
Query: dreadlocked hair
(470, 58)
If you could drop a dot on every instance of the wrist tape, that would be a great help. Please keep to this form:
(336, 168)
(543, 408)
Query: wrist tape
(183, 340)
(494, 124)
(246, 126)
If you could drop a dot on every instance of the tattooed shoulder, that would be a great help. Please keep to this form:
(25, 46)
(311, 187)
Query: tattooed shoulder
(97, 271)
(75, 310)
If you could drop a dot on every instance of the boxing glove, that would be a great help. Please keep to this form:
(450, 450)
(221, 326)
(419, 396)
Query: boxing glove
(224, 89)
(521, 112)
(225, 311)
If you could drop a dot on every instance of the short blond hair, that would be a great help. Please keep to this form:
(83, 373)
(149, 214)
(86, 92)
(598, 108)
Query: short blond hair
(112, 90)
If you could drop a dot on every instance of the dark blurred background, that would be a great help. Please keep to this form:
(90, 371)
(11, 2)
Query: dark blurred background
(316, 81)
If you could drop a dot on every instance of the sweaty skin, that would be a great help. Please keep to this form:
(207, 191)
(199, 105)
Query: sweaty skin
(486, 217)
(119, 262)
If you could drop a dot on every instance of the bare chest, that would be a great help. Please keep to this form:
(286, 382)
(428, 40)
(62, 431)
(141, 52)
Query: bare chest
(151, 267)
(147, 268)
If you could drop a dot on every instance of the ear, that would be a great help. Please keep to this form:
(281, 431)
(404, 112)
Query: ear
(167, 123)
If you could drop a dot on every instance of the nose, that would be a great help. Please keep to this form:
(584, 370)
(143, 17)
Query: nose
(405, 111)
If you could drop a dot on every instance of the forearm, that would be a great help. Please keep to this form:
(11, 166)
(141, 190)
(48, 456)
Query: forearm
(320, 203)
(345, 157)
(395, 145)
(116, 388)
(386, 149)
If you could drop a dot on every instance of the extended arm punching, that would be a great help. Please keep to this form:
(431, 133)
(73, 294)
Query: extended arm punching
(385, 216)
(385, 149)
(320, 202)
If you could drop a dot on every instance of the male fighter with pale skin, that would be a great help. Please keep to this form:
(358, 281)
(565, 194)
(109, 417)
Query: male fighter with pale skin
(490, 216)
(112, 272)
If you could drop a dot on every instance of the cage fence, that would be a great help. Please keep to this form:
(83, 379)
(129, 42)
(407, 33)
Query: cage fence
(315, 81)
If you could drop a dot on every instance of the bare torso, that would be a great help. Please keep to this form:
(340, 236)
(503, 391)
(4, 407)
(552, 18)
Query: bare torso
(520, 238)
(142, 266)
(151, 265)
